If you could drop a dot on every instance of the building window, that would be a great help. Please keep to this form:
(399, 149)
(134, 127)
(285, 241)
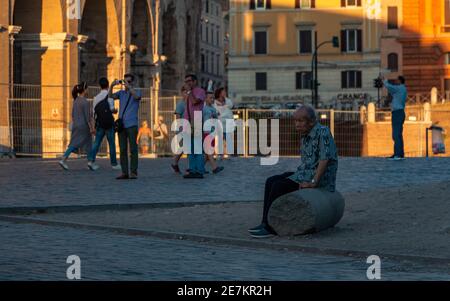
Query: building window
(212, 35)
(203, 32)
(305, 38)
(202, 62)
(447, 87)
(305, 4)
(218, 35)
(207, 62)
(350, 3)
(260, 4)
(218, 64)
(351, 40)
(303, 80)
(212, 63)
(260, 42)
(207, 33)
(351, 79)
(207, 6)
(392, 17)
(261, 81)
(393, 62)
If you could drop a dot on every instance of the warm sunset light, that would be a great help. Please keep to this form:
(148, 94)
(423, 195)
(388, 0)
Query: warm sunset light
(225, 141)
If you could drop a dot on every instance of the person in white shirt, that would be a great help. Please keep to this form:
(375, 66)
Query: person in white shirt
(224, 106)
(102, 132)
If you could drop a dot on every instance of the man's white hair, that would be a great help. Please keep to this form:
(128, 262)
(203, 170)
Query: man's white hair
(310, 111)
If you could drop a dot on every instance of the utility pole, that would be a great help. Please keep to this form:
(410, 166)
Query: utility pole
(314, 68)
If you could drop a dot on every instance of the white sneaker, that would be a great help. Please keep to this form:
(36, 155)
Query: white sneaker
(116, 167)
(396, 158)
(92, 166)
(63, 165)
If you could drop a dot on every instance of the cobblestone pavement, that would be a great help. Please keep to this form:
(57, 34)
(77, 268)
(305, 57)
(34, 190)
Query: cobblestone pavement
(34, 252)
(43, 183)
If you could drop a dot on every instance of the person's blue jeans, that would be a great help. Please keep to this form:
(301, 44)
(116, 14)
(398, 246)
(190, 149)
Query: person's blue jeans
(110, 136)
(398, 119)
(196, 161)
(72, 149)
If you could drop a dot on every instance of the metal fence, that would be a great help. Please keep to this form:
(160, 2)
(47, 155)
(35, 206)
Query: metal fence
(39, 118)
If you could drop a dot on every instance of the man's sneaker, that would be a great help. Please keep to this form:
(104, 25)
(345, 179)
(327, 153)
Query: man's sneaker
(133, 176)
(175, 168)
(218, 169)
(257, 228)
(116, 167)
(92, 166)
(396, 158)
(263, 233)
(123, 177)
(193, 176)
(63, 165)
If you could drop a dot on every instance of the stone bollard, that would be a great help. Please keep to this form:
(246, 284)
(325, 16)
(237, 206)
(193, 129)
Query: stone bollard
(362, 114)
(306, 211)
(434, 96)
(371, 113)
(427, 112)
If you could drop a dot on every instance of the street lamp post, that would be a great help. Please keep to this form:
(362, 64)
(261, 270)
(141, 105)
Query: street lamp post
(314, 67)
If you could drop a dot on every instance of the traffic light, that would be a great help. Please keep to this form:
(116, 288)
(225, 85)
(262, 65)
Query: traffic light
(335, 42)
(378, 83)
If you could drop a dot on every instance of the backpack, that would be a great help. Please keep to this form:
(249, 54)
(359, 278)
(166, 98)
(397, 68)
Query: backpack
(103, 116)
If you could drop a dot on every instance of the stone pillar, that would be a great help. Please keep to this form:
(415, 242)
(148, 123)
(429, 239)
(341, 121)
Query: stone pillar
(371, 113)
(55, 79)
(4, 86)
(55, 71)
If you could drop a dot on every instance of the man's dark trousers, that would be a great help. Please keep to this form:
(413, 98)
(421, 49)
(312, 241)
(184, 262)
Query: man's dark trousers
(398, 119)
(128, 137)
(277, 186)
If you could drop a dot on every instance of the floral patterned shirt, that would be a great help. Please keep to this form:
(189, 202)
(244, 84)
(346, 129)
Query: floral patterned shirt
(317, 146)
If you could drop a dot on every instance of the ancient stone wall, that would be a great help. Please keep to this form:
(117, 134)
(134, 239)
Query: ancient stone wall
(55, 50)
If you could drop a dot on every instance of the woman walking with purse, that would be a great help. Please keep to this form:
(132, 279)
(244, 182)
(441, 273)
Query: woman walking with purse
(82, 127)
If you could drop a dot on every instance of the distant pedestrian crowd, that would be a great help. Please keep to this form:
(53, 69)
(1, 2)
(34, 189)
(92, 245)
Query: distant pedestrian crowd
(90, 125)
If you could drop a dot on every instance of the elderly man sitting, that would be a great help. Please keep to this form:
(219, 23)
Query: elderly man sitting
(317, 169)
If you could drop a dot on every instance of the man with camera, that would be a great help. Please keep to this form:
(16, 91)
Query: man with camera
(127, 125)
(399, 96)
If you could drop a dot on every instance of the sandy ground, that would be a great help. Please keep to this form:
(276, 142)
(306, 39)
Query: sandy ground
(409, 220)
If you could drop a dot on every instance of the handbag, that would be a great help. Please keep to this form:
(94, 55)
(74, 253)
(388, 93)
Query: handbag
(118, 124)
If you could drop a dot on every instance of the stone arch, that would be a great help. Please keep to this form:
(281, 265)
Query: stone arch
(39, 19)
(141, 43)
(101, 55)
(29, 15)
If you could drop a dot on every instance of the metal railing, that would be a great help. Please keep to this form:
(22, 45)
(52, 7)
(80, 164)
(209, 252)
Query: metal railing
(39, 118)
